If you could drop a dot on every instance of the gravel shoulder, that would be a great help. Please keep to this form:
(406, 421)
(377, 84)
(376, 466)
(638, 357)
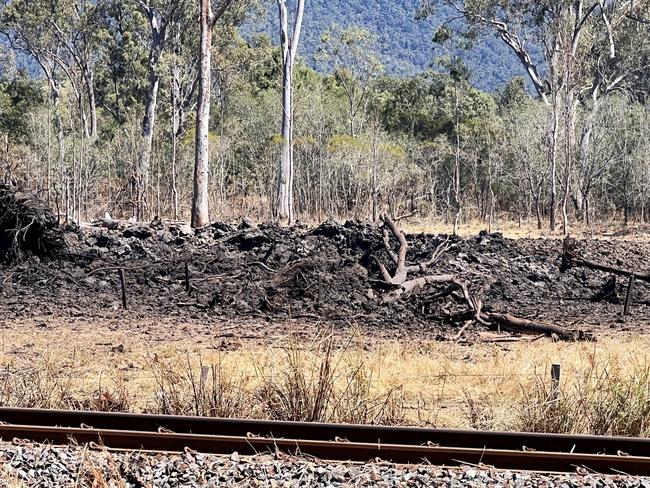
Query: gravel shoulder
(47, 466)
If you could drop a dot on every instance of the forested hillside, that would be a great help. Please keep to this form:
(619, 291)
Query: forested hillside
(404, 43)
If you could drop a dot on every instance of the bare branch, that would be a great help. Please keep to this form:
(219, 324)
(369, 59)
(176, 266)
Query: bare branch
(221, 10)
(297, 28)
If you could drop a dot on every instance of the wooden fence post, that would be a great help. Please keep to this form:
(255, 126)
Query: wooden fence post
(555, 381)
(628, 297)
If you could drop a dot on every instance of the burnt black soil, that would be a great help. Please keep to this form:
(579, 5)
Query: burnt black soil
(325, 273)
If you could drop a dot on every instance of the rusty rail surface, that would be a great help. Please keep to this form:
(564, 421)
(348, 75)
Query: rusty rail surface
(343, 442)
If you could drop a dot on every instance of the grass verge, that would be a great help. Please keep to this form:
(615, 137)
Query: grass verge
(604, 387)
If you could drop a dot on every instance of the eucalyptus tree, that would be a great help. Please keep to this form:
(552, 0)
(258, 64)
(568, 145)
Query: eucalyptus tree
(159, 15)
(64, 38)
(181, 78)
(19, 95)
(25, 25)
(589, 49)
(207, 20)
(525, 147)
(77, 28)
(629, 150)
(350, 53)
(459, 76)
(121, 82)
(289, 47)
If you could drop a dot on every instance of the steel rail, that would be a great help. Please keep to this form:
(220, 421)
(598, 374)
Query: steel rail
(322, 431)
(341, 451)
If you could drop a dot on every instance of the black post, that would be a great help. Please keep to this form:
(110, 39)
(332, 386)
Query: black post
(320, 289)
(123, 283)
(188, 285)
(628, 297)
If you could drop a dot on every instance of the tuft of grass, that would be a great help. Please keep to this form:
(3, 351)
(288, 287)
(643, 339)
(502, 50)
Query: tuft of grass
(316, 382)
(303, 389)
(479, 411)
(603, 400)
(40, 386)
(210, 390)
(45, 385)
(319, 384)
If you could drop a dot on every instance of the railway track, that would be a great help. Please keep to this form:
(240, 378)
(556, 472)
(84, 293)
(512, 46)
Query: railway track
(340, 442)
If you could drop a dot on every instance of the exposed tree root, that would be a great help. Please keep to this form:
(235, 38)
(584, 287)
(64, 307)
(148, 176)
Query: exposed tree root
(400, 286)
(404, 286)
(26, 224)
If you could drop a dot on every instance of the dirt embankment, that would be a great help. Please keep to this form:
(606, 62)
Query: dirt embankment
(327, 274)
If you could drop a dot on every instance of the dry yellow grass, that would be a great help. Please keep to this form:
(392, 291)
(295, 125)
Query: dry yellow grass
(511, 229)
(10, 480)
(424, 383)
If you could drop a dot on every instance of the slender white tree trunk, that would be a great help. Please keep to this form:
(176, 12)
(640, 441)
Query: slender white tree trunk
(289, 45)
(285, 207)
(148, 125)
(175, 128)
(200, 213)
(457, 197)
(92, 104)
(553, 157)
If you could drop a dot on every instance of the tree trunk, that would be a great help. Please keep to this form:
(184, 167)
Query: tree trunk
(289, 45)
(553, 158)
(457, 197)
(92, 104)
(175, 128)
(148, 124)
(285, 189)
(375, 189)
(200, 215)
(570, 107)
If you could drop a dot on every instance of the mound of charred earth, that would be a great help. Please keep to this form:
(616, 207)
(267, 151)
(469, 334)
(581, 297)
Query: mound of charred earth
(331, 273)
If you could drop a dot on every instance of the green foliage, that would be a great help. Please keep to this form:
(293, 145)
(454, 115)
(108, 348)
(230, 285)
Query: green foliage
(514, 95)
(424, 105)
(19, 96)
(122, 81)
(361, 138)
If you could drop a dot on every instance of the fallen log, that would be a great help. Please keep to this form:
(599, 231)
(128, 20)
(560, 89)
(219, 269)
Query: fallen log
(511, 323)
(571, 259)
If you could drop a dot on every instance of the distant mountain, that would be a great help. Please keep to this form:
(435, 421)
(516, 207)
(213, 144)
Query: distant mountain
(404, 43)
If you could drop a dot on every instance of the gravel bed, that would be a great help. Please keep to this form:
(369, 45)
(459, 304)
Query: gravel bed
(47, 466)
